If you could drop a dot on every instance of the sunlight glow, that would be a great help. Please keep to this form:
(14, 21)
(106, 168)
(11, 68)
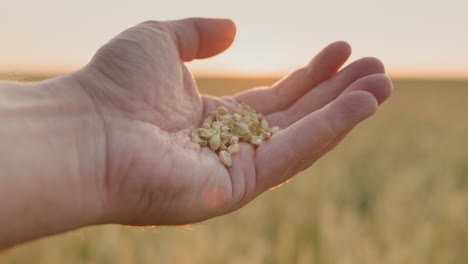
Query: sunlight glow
(423, 38)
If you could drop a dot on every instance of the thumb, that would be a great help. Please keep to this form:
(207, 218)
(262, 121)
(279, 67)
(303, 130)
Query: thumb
(199, 38)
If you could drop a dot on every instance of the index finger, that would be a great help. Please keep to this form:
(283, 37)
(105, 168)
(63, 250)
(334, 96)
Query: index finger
(288, 90)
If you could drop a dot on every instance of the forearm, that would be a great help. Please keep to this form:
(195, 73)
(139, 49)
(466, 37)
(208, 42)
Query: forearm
(50, 141)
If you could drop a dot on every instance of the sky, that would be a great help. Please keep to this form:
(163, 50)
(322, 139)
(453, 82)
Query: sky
(412, 38)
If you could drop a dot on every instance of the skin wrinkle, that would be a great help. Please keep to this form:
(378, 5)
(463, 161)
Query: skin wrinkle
(80, 171)
(106, 76)
(149, 189)
(140, 46)
(180, 100)
(193, 95)
(104, 134)
(197, 42)
(162, 33)
(160, 114)
(231, 180)
(123, 181)
(174, 34)
(254, 184)
(234, 195)
(109, 174)
(244, 173)
(164, 110)
(125, 176)
(102, 65)
(204, 109)
(167, 157)
(172, 126)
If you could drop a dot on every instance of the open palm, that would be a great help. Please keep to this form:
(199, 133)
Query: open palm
(149, 105)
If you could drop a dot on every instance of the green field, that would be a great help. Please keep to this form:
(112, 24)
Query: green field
(395, 191)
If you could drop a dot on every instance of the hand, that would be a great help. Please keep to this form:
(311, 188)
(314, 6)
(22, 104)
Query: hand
(149, 103)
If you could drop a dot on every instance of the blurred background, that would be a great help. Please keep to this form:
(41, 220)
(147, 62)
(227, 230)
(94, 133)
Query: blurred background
(395, 191)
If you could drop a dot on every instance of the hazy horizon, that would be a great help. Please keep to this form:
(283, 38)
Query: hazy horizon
(413, 39)
(37, 76)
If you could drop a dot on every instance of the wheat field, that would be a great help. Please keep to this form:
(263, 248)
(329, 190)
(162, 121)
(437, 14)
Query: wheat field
(395, 191)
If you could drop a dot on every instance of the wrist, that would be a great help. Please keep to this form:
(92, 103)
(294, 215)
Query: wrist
(52, 156)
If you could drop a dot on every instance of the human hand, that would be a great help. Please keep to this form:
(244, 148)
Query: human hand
(149, 104)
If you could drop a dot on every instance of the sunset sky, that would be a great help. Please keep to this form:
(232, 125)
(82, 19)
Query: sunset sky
(413, 38)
